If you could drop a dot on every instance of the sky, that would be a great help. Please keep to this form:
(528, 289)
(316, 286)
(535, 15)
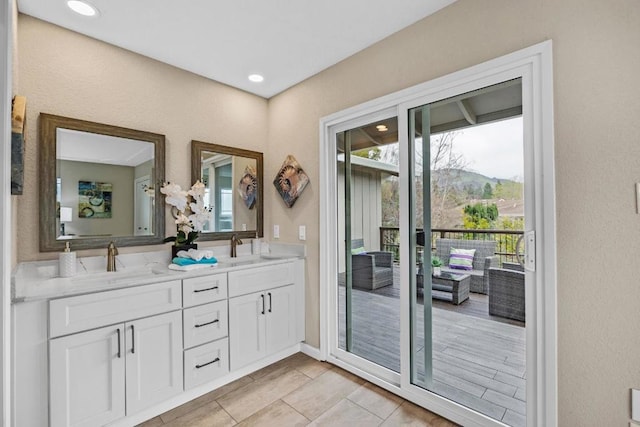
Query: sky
(494, 150)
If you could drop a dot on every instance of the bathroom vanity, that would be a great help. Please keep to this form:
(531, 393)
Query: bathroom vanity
(121, 347)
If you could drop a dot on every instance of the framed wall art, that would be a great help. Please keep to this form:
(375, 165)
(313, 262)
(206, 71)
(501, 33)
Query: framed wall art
(290, 181)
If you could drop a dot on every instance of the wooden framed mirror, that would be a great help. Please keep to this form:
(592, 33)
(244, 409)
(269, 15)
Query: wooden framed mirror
(99, 183)
(234, 188)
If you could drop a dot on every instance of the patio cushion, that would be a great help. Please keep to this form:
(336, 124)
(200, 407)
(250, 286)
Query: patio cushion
(461, 259)
(358, 251)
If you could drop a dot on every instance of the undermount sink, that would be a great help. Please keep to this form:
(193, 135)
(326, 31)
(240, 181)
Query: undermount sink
(115, 277)
(247, 260)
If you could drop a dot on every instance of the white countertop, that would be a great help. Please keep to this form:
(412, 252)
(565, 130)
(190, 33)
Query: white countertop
(39, 280)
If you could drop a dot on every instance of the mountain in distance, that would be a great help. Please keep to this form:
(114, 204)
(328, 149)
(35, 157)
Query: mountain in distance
(468, 181)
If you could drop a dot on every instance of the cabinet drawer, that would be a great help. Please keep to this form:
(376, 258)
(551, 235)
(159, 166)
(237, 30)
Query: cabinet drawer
(251, 280)
(83, 312)
(206, 363)
(205, 323)
(201, 290)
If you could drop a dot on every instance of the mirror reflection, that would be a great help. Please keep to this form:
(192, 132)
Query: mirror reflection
(103, 185)
(232, 179)
(98, 184)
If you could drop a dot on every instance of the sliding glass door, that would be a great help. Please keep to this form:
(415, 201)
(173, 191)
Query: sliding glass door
(366, 162)
(430, 214)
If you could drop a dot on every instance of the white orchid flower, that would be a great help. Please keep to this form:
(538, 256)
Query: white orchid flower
(175, 196)
(201, 215)
(197, 190)
(184, 223)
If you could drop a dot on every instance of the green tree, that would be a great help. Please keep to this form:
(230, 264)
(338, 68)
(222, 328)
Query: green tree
(487, 193)
(480, 216)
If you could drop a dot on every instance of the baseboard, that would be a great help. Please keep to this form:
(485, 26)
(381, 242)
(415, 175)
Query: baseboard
(310, 351)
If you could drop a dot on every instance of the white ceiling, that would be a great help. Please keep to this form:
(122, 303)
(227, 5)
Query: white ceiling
(286, 41)
(96, 148)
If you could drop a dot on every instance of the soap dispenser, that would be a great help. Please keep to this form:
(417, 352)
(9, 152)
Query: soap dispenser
(256, 248)
(67, 262)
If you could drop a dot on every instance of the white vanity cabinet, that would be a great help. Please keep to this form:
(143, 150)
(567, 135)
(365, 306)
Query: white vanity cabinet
(119, 356)
(264, 306)
(96, 374)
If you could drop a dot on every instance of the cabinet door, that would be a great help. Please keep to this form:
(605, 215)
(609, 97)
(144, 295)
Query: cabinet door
(87, 385)
(246, 329)
(154, 360)
(280, 318)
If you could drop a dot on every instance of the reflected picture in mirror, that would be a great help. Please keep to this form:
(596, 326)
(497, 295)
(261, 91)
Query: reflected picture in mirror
(232, 179)
(104, 178)
(248, 186)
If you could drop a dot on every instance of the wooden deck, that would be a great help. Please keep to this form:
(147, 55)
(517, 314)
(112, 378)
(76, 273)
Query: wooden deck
(478, 360)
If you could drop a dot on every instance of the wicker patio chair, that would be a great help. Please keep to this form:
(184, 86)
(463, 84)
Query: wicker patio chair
(483, 259)
(506, 293)
(371, 270)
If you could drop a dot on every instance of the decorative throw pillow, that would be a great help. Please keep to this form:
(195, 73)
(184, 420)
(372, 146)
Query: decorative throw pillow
(461, 259)
(358, 251)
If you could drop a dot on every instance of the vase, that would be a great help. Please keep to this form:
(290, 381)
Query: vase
(177, 248)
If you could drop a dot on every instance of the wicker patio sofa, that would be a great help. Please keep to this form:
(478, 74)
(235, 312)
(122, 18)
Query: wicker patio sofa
(483, 259)
(506, 293)
(372, 269)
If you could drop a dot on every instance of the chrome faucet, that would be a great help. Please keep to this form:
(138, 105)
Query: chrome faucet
(112, 251)
(234, 242)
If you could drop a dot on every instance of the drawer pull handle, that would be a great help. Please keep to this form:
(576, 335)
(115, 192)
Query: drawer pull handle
(262, 297)
(119, 352)
(133, 340)
(270, 303)
(206, 289)
(205, 324)
(217, 359)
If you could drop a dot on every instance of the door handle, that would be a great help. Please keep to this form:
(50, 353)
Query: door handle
(530, 250)
(119, 352)
(133, 340)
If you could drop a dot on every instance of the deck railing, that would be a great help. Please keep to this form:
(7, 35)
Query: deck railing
(506, 240)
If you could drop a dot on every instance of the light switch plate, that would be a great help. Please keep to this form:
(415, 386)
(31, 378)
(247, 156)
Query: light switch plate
(276, 231)
(302, 232)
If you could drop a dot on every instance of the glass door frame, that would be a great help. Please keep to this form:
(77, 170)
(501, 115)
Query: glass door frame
(534, 66)
(332, 239)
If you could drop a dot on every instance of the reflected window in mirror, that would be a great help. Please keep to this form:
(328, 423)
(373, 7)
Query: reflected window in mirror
(102, 186)
(233, 190)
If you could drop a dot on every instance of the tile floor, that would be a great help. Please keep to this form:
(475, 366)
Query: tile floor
(298, 391)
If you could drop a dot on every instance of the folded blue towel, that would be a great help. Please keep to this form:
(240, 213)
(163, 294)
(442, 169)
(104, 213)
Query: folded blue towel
(189, 261)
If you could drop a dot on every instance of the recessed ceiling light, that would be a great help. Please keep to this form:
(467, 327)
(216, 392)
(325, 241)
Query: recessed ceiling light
(82, 8)
(382, 128)
(256, 78)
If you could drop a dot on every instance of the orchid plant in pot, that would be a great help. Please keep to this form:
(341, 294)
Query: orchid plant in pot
(190, 213)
